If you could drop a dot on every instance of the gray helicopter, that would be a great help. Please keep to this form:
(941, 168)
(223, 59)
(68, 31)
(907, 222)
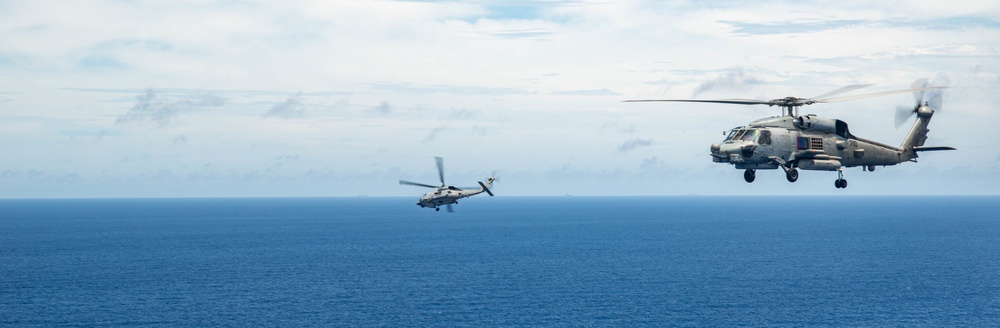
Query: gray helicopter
(447, 195)
(811, 142)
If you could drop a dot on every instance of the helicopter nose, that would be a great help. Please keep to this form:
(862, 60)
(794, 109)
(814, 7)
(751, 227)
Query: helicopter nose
(731, 148)
(735, 152)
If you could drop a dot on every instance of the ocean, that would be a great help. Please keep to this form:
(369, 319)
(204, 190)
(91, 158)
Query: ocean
(909, 261)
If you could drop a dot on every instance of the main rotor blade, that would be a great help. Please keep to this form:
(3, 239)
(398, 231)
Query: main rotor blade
(876, 94)
(721, 101)
(440, 165)
(795, 102)
(404, 182)
(843, 89)
(450, 209)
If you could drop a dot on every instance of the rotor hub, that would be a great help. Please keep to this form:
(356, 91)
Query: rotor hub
(925, 112)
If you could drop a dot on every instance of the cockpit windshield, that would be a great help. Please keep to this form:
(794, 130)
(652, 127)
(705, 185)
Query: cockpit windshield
(742, 135)
(735, 134)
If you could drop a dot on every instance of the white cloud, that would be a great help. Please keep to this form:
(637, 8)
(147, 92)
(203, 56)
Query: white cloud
(527, 87)
(157, 109)
(291, 108)
(633, 144)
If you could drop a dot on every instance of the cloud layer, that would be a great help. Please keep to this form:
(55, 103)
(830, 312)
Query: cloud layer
(305, 98)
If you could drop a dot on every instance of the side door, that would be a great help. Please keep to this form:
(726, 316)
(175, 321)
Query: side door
(783, 146)
(765, 143)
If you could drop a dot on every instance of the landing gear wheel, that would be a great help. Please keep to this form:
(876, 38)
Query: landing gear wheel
(840, 182)
(437, 209)
(792, 175)
(750, 175)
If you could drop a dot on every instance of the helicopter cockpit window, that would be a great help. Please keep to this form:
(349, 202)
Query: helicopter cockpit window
(749, 135)
(735, 134)
(765, 137)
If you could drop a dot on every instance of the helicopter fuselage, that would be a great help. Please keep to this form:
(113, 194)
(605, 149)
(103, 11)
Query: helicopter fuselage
(444, 196)
(810, 142)
(807, 142)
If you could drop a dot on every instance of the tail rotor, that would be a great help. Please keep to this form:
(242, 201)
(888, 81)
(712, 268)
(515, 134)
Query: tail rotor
(933, 98)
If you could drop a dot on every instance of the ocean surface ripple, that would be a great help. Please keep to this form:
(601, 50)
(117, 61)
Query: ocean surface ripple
(504, 261)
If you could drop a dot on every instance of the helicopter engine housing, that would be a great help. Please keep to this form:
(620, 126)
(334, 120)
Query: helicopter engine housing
(816, 123)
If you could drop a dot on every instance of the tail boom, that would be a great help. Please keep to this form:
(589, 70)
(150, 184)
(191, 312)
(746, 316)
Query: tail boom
(914, 141)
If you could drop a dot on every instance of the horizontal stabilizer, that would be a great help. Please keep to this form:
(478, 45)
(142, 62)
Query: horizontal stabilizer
(932, 148)
(487, 190)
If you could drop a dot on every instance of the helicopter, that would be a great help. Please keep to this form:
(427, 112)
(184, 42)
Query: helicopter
(447, 195)
(810, 142)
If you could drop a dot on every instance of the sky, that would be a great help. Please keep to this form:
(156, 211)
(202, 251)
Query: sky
(345, 98)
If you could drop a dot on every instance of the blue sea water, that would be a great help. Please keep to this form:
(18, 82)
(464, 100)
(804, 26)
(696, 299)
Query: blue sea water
(503, 261)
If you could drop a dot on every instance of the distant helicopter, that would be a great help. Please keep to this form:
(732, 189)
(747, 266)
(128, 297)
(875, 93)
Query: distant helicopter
(810, 142)
(447, 195)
